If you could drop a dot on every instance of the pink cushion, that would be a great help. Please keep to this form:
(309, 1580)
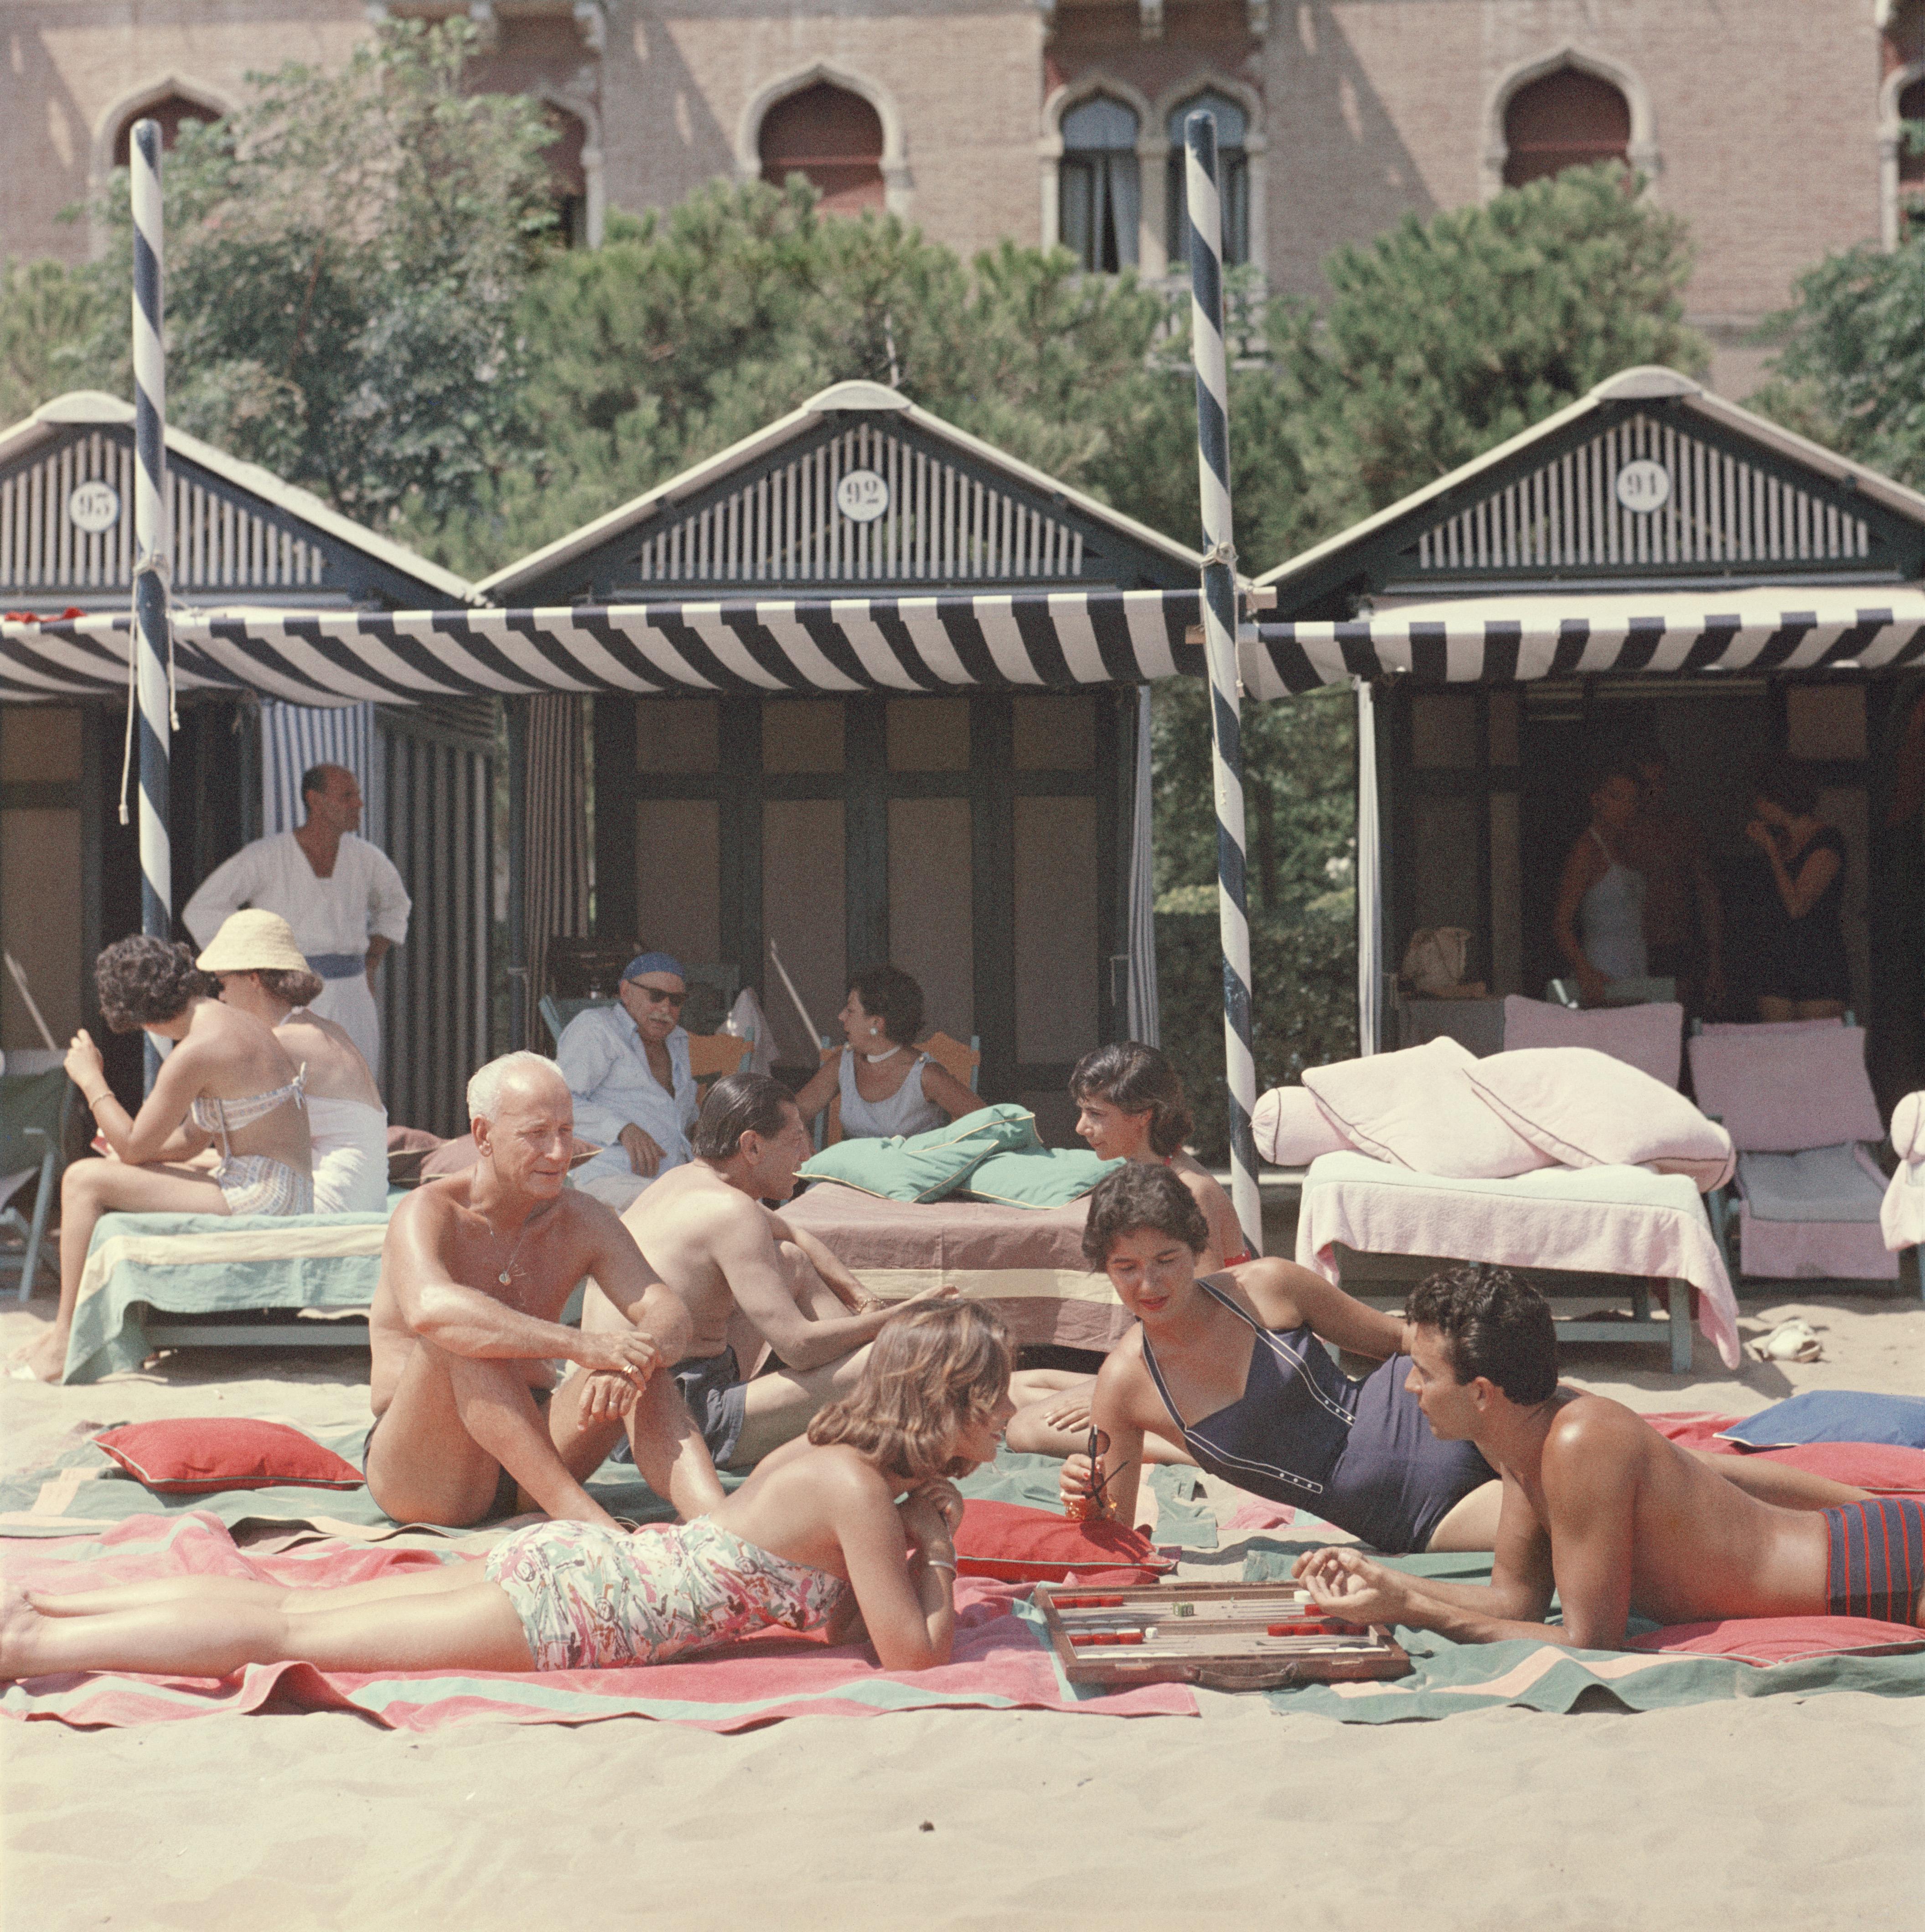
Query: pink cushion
(1016, 1544)
(1778, 1089)
(1583, 1108)
(187, 1456)
(1418, 1109)
(1650, 1038)
(1292, 1129)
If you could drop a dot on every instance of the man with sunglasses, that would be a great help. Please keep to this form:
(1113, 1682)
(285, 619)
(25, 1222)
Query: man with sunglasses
(627, 1066)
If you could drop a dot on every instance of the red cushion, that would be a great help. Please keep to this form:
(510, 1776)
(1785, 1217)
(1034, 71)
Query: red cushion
(1886, 1468)
(1014, 1544)
(1782, 1639)
(192, 1455)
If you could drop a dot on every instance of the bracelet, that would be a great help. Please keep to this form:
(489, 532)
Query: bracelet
(105, 1093)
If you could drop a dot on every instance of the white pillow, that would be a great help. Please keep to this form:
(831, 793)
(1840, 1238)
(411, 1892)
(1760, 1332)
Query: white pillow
(1418, 1109)
(1586, 1108)
(1908, 1127)
(1649, 1037)
(1292, 1129)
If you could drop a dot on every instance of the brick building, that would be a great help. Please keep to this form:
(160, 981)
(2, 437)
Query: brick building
(1049, 120)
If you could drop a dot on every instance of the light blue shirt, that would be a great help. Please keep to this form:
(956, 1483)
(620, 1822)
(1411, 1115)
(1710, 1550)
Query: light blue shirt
(601, 1058)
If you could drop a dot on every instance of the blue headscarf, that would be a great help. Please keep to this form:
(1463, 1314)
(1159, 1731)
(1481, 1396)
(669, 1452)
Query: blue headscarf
(653, 962)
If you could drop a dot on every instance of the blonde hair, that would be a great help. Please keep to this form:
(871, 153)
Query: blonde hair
(930, 1372)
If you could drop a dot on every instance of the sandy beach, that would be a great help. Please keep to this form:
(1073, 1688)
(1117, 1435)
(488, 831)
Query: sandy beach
(1785, 1812)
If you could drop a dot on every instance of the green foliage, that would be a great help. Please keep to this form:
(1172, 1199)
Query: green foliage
(1850, 371)
(1299, 787)
(684, 333)
(47, 310)
(345, 256)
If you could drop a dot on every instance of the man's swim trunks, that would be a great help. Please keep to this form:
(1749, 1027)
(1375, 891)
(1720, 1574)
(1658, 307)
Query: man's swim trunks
(591, 1598)
(1876, 1565)
(713, 1386)
(507, 1491)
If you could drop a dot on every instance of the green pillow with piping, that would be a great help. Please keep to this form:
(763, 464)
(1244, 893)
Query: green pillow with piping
(1038, 1177)
(924, 1166)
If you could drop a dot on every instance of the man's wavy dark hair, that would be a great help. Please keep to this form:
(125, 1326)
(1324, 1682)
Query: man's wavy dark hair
(1493, 1325)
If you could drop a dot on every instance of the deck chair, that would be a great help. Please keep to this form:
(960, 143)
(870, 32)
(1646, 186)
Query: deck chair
(555, 1013)
(712, 1055)
(34, 1109)
(1796, 1100)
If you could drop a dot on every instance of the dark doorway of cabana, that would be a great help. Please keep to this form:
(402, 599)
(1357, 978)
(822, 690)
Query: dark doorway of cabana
(1486, 792)
(977, 842)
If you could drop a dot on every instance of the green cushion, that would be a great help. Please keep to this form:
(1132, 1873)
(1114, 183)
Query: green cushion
(924, 1167)
(1039, 1177)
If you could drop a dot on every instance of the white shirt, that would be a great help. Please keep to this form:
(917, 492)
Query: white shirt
(601, 1058)
(332, 918)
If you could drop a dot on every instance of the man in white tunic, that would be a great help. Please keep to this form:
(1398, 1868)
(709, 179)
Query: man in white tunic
(342, 896)
(627, 1066)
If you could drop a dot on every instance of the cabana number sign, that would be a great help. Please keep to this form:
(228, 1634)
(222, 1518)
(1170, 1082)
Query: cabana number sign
(863, 496)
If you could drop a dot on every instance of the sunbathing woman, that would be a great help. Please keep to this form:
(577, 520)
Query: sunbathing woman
(1234, 1362)
(228, 1082)
(1130, 1106)
(262, 972)
(816, 1539)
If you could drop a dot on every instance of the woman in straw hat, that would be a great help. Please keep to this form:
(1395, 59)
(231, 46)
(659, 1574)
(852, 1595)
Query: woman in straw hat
(228, 1083)
(262, 972)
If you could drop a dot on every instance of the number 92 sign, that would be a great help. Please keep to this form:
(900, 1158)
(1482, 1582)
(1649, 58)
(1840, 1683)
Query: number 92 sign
(862, 495)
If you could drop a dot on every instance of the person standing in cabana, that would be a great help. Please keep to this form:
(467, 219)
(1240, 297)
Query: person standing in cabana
(886, 1086)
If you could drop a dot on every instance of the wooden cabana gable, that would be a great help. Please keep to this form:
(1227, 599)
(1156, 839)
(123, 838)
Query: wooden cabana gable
(240, 535)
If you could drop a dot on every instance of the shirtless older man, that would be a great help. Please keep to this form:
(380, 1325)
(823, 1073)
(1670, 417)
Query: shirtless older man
(746, 1276)
(1597, 1504)
(474, 1272)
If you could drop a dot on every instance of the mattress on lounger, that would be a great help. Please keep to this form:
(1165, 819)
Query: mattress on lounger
(213, 1265)
(1592, 1220)
(1027, 1262)
(1812, 1215)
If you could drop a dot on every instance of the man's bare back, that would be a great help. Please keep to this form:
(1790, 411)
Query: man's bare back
(679, 1222)
(1597, 1503)
(475, 1271)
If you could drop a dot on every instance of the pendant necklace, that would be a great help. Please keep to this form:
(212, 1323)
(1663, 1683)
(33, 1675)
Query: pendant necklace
(506, 1276)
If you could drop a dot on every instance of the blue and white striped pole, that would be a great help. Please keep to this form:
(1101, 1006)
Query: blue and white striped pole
(151, 542)
(1220, 618)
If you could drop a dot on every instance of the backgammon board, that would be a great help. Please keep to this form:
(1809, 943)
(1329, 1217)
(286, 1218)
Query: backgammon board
(1225, 1637)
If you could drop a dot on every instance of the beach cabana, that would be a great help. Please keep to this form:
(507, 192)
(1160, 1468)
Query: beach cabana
(244, 542)
(1650, 562)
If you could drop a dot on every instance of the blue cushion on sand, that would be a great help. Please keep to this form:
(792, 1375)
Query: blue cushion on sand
(1835, 1415)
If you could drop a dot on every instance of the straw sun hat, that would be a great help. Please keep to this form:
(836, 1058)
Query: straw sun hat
(254, 941)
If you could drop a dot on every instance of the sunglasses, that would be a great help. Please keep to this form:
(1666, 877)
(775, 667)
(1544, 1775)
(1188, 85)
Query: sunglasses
(655, 997)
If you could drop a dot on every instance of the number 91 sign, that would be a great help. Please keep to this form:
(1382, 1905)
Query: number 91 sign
(1643, 486)
(862, 495)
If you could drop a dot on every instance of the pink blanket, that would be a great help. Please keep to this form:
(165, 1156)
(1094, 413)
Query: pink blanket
(1594, 1220)
(999, 1662)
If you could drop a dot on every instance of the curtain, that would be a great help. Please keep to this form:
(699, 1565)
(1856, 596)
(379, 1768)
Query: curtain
(1145, 1021)
(556, 802)
(295, 736)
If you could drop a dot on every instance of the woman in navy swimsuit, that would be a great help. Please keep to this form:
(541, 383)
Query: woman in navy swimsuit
(1235, 1363)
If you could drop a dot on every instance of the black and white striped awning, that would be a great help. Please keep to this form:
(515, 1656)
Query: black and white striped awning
(1034, 639)
(1513, 639)
(815, 645)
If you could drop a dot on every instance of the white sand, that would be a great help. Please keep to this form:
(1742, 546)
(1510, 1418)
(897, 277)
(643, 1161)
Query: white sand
(1785, 1813)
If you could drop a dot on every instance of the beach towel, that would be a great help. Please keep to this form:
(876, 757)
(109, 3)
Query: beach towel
(1692, 1663)
(1000, 1661)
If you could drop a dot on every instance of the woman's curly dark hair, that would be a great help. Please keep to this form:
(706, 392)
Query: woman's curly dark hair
(1138, 1195)
(1138, 1079)
(889, 994)
(144, 982)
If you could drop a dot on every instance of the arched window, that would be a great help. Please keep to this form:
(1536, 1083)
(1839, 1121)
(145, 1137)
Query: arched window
(1101, 198)
(831, 137)
(170, 112)
(567, 177)
(1569, 119)
(1912, 161)
(1233, 181)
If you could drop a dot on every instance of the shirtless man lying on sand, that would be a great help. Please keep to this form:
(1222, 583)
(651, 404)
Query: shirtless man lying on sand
(1599, 1505)
(475, 1269)
(747, 1276)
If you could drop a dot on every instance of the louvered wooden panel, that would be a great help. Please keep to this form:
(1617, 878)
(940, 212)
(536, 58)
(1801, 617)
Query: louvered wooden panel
(941, 526)
(217, 547)
(1721, 510)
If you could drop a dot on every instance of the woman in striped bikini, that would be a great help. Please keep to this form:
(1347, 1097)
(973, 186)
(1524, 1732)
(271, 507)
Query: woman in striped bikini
(228, 1083)
(816, 1539)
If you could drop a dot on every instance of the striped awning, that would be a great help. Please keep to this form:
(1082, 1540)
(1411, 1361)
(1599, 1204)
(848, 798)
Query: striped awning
(1060, 639)
(1509, 640)
(1056, 640)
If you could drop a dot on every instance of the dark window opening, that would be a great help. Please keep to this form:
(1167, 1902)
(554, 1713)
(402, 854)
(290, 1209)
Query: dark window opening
(832, 139)
(568, 194)
(1569, 119)
(1232, 182)
(1099, 193)
(170, 112)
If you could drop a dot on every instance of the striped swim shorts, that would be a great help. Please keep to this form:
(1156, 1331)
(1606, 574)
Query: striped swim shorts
(1876, 1565)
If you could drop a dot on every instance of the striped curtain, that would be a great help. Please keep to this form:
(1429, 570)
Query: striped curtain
(557, 877)
(295, 736)
(1145, 1021)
